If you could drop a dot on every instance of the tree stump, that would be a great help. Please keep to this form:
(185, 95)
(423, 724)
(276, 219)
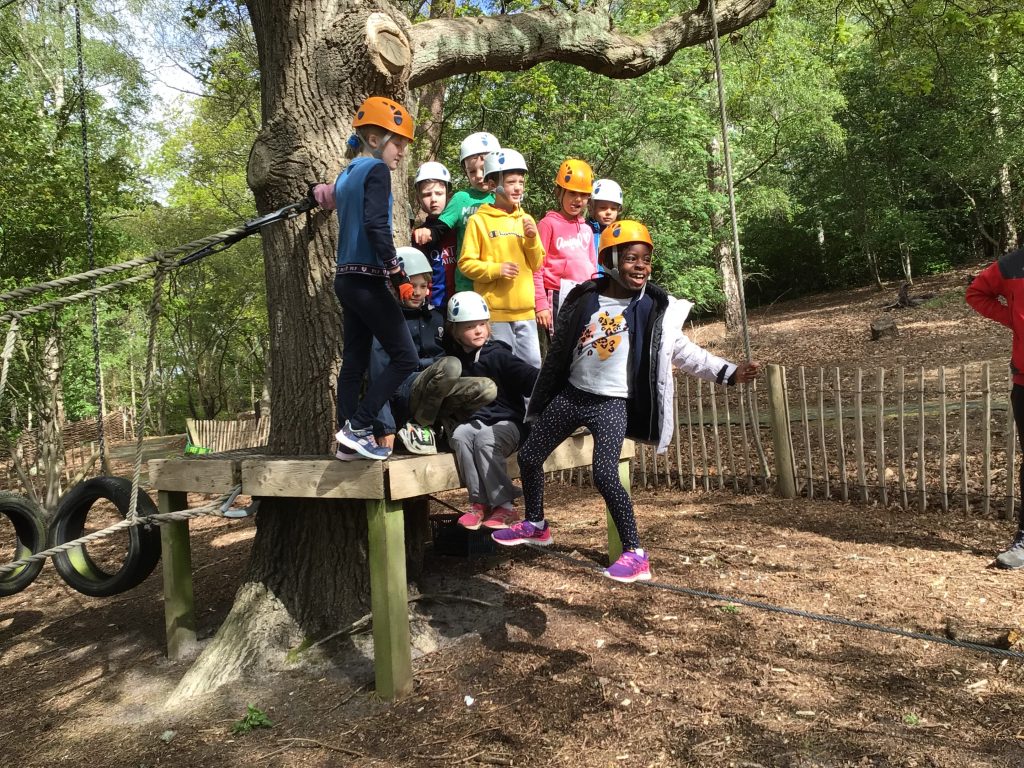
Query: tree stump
(882, 327)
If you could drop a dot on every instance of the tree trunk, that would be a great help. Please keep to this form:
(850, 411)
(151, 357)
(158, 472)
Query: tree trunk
(50, 406)
(722, 249)
(318, 60)
(905, 261)
(1005, 187)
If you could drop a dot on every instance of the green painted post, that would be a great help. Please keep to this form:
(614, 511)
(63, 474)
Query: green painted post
(614, 542)
(389, 598)
(179, 603)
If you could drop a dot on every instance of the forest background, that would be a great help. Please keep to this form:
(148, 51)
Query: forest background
(872, 141)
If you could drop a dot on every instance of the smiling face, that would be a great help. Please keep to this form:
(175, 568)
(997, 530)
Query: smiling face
(433, 196)
(634, 264)
(420, 291)
(473, 334)
(604, 212)
(572, 203)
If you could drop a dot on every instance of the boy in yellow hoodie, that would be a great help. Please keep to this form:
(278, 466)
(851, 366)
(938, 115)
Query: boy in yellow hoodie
(500, 252)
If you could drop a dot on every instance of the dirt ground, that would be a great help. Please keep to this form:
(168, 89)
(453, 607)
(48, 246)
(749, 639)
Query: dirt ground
(566, 668)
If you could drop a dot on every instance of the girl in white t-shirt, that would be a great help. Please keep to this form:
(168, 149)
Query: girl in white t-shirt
(609, 369)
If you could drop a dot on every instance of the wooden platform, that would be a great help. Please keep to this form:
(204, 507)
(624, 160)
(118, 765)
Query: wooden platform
(382, 485)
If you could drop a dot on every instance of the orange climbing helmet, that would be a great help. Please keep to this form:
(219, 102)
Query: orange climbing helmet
(387, 114)
(623, 232)
(575, 176)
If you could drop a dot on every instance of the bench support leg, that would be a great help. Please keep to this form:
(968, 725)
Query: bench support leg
(614, 542)
(389, 598)
(179, 603)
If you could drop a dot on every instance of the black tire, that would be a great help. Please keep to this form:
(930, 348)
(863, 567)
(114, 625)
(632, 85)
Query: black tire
(30, 537)
(75, 566)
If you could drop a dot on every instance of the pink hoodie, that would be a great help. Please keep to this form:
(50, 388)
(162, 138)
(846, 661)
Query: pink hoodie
(568, 254)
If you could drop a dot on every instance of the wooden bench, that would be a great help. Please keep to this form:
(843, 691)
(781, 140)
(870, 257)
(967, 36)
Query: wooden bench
(381, 485)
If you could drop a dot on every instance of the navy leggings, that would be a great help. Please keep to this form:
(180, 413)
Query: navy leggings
(370, 312)
(605, 417)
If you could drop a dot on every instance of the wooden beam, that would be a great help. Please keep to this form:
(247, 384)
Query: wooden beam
(312, 478)
(389, 598)
(198, 475)
(179, 602)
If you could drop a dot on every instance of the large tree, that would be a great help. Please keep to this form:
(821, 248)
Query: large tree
(318, 61)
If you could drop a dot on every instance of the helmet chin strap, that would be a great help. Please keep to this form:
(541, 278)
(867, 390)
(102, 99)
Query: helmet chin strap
(616, 275)
(380, 148)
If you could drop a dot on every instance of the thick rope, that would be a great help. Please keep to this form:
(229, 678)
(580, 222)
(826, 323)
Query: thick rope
(769, 607)
(76, 297)
(90, 240)
(213, 509)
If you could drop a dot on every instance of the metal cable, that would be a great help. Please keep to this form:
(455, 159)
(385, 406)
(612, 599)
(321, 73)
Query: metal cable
(761, 606)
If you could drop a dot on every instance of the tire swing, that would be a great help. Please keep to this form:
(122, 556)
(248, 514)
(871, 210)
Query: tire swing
(76, 567)
(29, 538)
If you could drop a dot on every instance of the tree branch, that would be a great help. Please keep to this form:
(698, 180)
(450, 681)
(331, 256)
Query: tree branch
(509, 42)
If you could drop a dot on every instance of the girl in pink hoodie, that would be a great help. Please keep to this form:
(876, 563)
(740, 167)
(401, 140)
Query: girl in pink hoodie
(567, 239)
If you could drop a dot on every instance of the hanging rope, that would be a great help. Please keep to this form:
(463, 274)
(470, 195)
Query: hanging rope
(90, 242)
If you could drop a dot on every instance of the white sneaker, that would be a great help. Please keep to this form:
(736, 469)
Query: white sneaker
(417, 439)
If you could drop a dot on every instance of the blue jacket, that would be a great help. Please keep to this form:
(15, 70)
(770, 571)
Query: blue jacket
(362, 195)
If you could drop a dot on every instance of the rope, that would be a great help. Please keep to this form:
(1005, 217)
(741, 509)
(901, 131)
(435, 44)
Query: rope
(76, 297)
(64, 282)
(214, 509)
(770, 608)
(90, 240)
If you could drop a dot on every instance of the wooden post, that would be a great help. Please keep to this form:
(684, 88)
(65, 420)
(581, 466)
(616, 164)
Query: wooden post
(844, 488)
(858, 407)
(780, 433)
(755, 419)
(689, 436)
(880, 438)
(712, 390)
(728, 442)
(821, 427)
(642, 453)
(901, 375)
(743, 432)
(614, 542)
(986, 454)
(706, 470)
(677, 437)
(176, 553)
(807, 434)
(943, 480)
(963, 438)
(1011, 450)
(921, 496)
(389, 598)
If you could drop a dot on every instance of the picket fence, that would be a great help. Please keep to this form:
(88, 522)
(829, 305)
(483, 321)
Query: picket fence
(911, 438)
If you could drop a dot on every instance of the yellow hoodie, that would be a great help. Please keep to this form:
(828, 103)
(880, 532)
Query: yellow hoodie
(492, 238)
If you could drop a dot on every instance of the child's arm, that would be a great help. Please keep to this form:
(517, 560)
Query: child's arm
(533, 249)
(471, 260)
(984, 292)
(375, 216)
(540, 293)
(697, 361)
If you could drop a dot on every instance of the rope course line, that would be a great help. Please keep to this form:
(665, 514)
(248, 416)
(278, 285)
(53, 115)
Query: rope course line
(214, 509)
(771, 608)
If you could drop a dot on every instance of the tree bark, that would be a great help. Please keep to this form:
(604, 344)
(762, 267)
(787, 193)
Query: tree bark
(318, 60)
(1005, 186)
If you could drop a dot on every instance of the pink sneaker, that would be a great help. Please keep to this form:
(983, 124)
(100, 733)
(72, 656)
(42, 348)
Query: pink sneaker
(524, 532)
(630, 567)
(501, 517)
(472, 519)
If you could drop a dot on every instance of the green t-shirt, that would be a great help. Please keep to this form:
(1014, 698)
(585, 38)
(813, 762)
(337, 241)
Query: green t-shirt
(463, 205)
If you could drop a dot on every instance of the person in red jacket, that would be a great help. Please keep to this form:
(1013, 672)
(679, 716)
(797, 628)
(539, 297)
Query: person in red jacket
(1005, 279)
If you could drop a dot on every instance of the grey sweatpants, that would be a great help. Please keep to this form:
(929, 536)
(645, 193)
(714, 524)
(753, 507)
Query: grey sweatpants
(522, 336)
(481, 454)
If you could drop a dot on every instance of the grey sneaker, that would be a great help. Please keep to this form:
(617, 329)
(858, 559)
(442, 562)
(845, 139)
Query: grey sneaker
(417, 439)
(1013, 557)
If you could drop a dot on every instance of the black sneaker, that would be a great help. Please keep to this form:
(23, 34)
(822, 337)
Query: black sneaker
(1013, 558)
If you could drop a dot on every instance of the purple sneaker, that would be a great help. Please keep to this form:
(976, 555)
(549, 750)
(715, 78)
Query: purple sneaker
(630, 567)
(523, 532)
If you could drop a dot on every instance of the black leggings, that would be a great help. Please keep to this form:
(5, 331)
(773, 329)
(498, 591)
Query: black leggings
(1017, 402)
(605, 417)
(370, 312)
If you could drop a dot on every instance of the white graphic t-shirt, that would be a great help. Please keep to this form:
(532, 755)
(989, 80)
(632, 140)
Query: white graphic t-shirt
(600, 360)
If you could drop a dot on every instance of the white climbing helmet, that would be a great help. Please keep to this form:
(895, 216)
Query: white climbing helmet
(467, 307)
(432, 172)
(503, 161)
(607, 191)
(413, 261)
(478, 144)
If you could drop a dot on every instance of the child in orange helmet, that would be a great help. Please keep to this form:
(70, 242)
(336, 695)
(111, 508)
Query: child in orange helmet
(610, 369)
(567, 239)
(383, 130)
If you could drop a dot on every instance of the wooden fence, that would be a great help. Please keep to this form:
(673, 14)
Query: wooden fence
(912, 438)
(219, 436)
